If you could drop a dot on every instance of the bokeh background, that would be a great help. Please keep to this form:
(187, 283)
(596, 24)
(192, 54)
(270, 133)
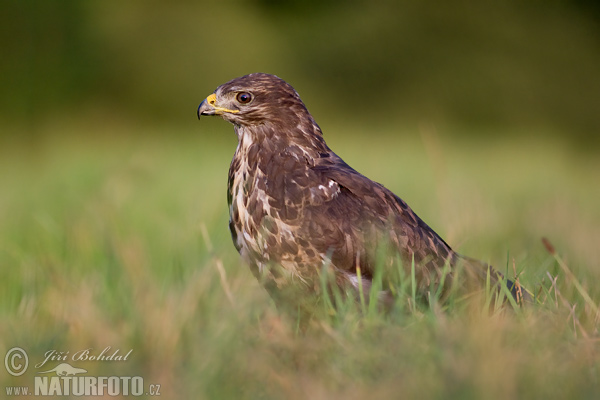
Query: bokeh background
(528, 66)
(483, 115)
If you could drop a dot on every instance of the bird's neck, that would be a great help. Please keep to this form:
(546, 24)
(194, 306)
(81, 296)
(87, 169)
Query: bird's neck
(274, 139)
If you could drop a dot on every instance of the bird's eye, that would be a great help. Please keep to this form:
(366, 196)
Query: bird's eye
(244, 98)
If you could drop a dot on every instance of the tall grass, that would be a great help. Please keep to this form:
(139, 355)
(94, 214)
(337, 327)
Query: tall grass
(124, 243)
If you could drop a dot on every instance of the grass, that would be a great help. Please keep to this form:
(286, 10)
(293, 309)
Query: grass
(124, 243)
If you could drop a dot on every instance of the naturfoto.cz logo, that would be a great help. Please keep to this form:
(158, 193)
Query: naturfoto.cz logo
(65, 379)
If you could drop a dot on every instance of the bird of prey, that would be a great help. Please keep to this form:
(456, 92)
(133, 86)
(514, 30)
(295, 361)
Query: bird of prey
(296, 205)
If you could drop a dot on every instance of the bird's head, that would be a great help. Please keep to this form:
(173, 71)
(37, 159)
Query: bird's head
(256, 99)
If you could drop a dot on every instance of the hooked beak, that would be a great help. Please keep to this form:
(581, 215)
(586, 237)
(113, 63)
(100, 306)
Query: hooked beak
(209, 107)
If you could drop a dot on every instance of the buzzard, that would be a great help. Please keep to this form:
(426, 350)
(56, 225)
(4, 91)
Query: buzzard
(295, 206)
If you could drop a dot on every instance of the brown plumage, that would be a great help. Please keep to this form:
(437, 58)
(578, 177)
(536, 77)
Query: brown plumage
(297, 205)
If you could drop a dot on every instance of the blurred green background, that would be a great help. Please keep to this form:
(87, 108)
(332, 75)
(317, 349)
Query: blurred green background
(522, 66)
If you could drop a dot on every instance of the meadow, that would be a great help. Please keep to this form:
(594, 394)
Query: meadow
(121, 240)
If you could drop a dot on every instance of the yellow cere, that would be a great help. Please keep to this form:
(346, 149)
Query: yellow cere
(212, 100)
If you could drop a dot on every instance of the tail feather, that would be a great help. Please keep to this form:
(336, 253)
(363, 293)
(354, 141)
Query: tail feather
(480, 271)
